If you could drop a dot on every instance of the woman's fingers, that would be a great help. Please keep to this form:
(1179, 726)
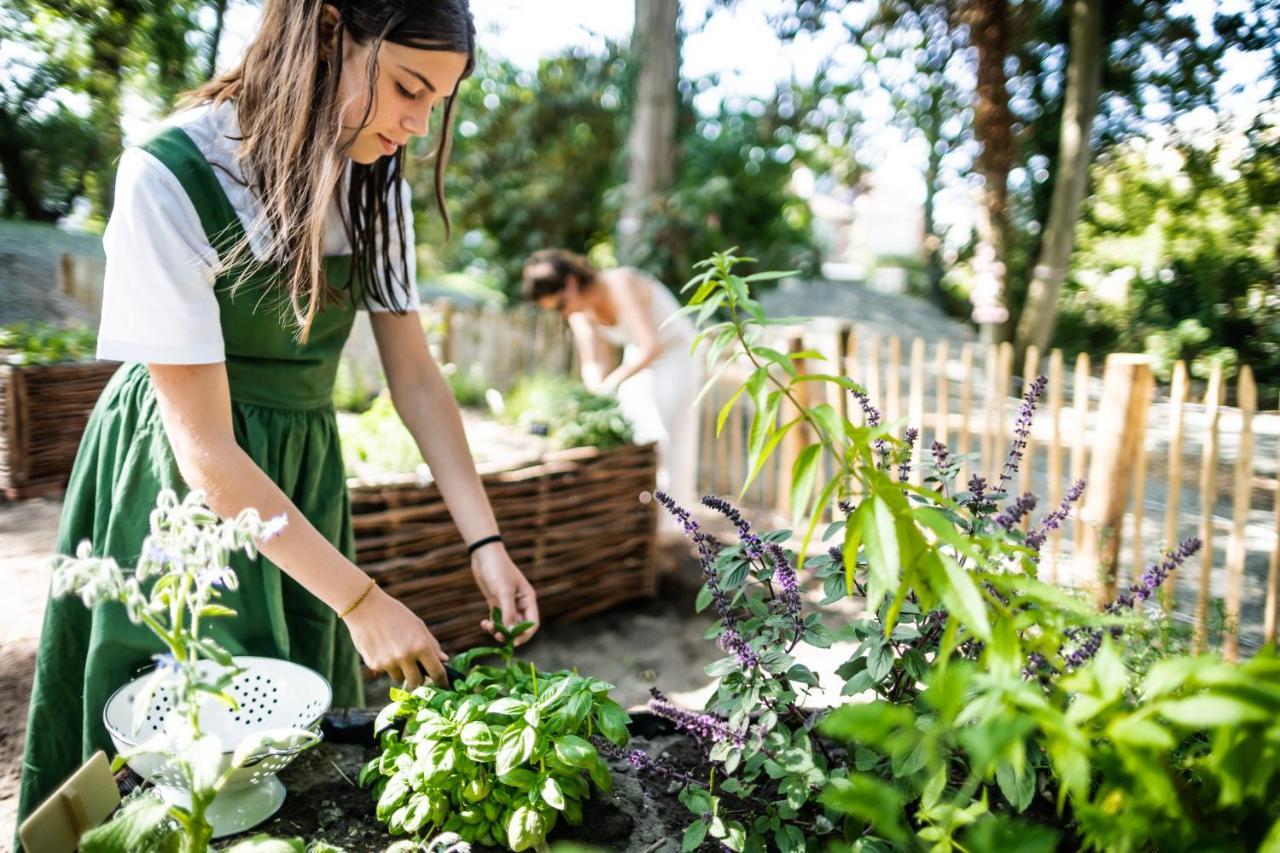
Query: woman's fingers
(527, 604)
(392, 671)
(412, 675)
(430, 661)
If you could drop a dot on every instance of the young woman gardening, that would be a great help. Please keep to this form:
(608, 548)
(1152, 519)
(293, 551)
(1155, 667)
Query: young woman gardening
(658, 379)
(243, 239)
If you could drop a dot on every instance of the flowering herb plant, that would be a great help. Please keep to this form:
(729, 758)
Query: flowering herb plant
(982, 691)
(499, 756)
(173, 592)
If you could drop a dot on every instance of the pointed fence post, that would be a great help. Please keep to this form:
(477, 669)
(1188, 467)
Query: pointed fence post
(1126, 397)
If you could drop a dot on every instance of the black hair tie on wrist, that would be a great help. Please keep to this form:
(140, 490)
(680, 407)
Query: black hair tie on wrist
(480, 543)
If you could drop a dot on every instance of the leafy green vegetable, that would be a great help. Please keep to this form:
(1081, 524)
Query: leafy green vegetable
(497, 759)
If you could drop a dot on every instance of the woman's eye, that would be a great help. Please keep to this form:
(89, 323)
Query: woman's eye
(405, 91)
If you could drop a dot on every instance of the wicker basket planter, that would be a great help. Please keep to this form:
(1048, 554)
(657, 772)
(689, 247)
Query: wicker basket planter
(573, 522)
(43, 412)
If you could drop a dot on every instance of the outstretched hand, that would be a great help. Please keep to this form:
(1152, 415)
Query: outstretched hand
(506, 590)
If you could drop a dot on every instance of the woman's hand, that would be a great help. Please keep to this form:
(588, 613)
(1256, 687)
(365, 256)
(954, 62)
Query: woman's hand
(391, 639)
(505, 588)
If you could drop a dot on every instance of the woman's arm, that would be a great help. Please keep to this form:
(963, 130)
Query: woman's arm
(428, 409)
(633, 312)
(592, 354)
(195, 406)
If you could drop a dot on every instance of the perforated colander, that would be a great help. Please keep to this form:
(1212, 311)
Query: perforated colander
(270, 694)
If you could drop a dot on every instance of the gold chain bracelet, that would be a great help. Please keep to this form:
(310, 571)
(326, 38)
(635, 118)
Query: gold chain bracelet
(368, 589)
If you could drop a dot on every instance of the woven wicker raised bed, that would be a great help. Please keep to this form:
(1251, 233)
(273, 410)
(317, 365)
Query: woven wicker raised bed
(43, 411)
(574, 523)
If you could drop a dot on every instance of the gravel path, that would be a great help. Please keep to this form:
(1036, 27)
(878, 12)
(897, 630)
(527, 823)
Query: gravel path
(29, 270)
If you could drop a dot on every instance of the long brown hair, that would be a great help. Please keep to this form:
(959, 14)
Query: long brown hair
(292, 150)
(547, 271)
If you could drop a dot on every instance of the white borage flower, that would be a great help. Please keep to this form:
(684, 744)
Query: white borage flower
(202, 515)
(216, 576)
(156, 522)
(274, 527)
(135, 603)
(247, 519)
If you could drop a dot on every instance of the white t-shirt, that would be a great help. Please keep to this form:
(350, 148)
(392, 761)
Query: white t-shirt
(158, 302)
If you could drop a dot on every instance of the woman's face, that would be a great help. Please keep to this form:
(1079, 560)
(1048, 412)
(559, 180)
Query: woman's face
(408, 85)
(567, 301)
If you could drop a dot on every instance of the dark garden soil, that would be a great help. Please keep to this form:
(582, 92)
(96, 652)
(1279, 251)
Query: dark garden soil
(640, 815)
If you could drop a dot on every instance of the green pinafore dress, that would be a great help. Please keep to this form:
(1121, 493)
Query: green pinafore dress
(284, 420)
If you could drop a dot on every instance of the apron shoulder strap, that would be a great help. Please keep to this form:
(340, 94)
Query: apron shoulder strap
(179, 154)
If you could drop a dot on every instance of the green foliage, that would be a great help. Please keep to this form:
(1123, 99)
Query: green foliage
(83, 51)
(1179, 255)
(569, 414)
(533, 154)
(499, 757)
(993, 711)
(43, 343)
(732, 186)
(351, 391)
(377, 441)
(469, 386)
(183, 563)
(539, 160)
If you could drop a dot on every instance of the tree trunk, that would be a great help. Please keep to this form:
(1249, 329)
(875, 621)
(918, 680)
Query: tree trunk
(991, 33)
(651, 148)
(932, 239)
(215, 38)
(1080, 104)
(22, 194)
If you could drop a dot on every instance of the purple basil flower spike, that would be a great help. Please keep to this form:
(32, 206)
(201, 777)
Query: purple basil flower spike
(1021, 430)
(1088, 640)
(941, 456)
(873, 419)
(751, 543)
(1016, 511)
(681, 514)
(704, 726)
(731, 641)
(1036, 538)
(1154, 576)
(708, 550)
(642, 762)
(904, 468)
(978, 492)
(788, 583)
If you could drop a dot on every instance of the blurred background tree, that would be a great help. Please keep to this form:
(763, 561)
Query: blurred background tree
(62, 53)
(1029, 114)
(1179, 255)
(540, 159)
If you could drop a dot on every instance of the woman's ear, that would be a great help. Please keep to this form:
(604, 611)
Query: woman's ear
(330, 18)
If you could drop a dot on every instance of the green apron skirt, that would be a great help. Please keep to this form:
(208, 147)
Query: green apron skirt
(280, 399)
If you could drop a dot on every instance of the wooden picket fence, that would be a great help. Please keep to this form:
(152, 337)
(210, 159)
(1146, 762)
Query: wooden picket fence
(508, 343)
(1162, 464)
(501, 345)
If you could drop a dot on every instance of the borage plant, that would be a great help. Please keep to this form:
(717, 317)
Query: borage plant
(987, 688)
(499, 756)
(173, 592)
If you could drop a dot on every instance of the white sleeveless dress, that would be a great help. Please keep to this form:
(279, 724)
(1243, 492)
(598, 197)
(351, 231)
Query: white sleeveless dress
(658, 400)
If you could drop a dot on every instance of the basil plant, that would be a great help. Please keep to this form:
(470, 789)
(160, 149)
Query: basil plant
(499, 757)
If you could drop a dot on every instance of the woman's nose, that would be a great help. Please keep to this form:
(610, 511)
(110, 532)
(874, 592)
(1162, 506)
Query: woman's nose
(416, 121)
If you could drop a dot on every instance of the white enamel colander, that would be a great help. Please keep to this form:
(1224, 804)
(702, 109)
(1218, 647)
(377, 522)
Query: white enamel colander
(270, 694)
